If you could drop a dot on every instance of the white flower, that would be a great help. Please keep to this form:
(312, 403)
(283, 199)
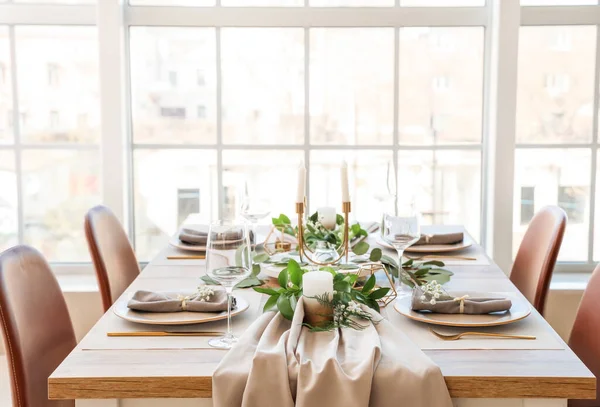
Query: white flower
(432, 302)
(423, 298)
(205, 292)
(353, 307)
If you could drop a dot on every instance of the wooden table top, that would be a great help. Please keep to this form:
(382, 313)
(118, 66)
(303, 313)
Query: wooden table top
(187, 373)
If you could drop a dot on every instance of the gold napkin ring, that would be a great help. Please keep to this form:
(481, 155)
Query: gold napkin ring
(183, 300)
(462, 299)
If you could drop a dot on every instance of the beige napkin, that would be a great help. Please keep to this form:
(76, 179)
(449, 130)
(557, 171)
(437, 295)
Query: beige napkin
(281, 363)
(440, 238)
(447, 304)
(171, 302)
(194, 236)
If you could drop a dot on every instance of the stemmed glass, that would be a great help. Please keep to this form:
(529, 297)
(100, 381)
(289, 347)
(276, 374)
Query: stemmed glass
(253, 210)
(228, 261)
(401, 232)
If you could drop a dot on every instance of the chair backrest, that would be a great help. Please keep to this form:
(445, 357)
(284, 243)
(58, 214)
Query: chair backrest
(586, 331)
(533, 266)
(37, 328)
(113, 257)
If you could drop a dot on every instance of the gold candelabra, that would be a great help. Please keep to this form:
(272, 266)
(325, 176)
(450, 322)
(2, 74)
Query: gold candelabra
(304, 251)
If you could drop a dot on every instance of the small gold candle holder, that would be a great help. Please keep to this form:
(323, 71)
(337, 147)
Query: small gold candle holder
(280, 245)
(305, 252)
(367, 270)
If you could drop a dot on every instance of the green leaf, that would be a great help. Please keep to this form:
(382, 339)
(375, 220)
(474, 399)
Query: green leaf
(208, 280)
(373, 304)
(255, 270)
(421, 272)
(342, 286)
(295, 272)
(271, 303)
(285, 307)
(249, 282)
(369, 285)
(408, 263)
(283, 278)
(314, 217)
(360, 248)
(266, 290)
(376, 254)
(436, 263)
(355, 228)
(261, 258)
(276, 221)
(284, 219)
(339, 219)
(329, 269)
(385, 259)
(379, 293)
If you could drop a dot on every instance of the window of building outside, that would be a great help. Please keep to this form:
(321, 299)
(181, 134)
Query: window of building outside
(198, 96)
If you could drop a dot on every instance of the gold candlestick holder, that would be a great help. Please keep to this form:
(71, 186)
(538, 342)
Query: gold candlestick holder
(304, 251)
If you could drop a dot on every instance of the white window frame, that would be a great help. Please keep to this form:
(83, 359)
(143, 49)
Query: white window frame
(501, 19)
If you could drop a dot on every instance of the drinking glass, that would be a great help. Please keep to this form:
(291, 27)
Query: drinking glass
(253, 210)
(401, 232)
(228, 261)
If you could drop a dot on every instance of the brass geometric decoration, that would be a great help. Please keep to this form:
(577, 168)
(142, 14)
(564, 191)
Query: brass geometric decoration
(364, 273)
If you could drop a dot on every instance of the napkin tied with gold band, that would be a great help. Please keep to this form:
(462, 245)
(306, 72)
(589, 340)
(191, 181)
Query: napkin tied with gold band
(463, 304)
(206, 299)
(440, 238)
(198, 236)
(282, 363)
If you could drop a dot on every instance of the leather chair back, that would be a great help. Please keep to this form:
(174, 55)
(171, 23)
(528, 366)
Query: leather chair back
(533, 266)
(38, 334)
(586, 331)
(113, 257)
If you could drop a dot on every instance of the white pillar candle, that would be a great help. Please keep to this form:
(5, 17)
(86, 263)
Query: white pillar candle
(317, 283)
(301, 183)
(327, 217)
(345, 189)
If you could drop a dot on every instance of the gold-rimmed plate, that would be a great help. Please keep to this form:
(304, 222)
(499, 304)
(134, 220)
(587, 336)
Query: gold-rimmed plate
(432, 248)
(520, 309)
(174, 318)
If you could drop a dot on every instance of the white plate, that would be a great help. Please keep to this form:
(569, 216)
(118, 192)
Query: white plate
(175, 242)
(431, 248)
(174, 318)
(520, 309)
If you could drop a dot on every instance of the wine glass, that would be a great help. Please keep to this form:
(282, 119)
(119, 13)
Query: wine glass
(253, 210)
(401, 232)
(228, 261)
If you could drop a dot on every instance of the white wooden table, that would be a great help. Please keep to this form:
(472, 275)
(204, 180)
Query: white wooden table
(109, 372)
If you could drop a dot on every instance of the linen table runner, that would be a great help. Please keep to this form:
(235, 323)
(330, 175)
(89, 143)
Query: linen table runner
(281, 363)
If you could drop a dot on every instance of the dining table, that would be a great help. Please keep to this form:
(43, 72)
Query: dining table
(177, 371)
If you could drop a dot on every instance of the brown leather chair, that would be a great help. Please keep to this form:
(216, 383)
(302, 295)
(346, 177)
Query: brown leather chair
(114, 260)
(586, 331)
(533, 266)
(38, 334)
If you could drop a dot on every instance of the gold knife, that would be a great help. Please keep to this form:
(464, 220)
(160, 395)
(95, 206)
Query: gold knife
(197, 257)
(165, 333)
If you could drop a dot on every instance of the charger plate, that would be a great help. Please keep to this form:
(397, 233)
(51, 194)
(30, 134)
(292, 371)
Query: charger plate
(432, 248)
(174, 318)
(520, 309)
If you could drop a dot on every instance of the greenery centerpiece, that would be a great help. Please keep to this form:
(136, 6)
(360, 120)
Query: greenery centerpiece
(344, 305)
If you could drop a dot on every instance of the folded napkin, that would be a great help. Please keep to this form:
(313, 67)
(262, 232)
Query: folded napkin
(440, 238)
(281, 363)
(194, 236)
(447, 304)
(207, 299)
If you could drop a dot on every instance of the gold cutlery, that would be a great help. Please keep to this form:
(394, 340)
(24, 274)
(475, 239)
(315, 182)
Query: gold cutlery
(165, 333)
(436, 256)
(196, 257)
(488, 334)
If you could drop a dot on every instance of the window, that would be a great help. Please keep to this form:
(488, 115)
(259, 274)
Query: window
(211, 106)
(188, 202)
(527, 204)
(573, 201)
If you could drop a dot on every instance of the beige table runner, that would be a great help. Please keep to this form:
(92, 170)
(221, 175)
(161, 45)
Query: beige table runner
(534, 325)
(98, 340)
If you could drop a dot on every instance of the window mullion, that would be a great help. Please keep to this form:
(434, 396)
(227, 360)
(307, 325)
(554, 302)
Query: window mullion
(220, 187)
(503, 107)
(17, 134)
(396, 112)
(113, 134)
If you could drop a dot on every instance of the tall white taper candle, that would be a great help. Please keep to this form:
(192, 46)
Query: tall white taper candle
(345, 190)
(301, 183)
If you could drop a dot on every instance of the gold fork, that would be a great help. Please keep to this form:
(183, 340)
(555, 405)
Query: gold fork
(458, 336)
